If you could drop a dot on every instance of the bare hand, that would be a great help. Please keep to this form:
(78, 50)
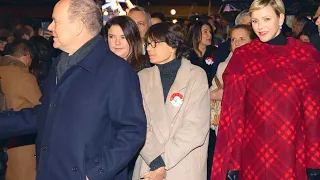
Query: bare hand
(159, 174)
(216, 95)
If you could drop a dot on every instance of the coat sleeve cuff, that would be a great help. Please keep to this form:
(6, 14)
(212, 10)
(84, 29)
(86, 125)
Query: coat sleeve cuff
(157, 163)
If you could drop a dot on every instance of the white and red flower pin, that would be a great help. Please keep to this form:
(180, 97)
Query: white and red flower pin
(176, 99)
(209, 60)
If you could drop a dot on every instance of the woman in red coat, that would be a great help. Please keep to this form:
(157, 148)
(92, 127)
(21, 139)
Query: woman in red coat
(270, 119)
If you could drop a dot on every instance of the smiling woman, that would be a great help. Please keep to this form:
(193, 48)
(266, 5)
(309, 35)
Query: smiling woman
(270, 105)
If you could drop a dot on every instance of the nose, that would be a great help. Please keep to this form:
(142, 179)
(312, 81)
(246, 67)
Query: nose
(50, 27)
(148, 47)
(118, 41)
(260, 25)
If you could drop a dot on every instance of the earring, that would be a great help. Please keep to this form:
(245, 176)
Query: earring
(280, 26)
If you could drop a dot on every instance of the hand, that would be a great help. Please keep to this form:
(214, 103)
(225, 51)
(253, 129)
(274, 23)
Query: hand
(216, 95)
(159, 174)
(87, 178)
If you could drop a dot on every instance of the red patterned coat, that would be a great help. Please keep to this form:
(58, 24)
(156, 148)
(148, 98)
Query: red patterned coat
(270, 121)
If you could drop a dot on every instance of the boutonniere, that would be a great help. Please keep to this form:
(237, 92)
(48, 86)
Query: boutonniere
(209, 60)
(176, 99)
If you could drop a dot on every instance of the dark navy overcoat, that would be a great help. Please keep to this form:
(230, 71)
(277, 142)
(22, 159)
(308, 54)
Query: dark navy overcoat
(91, 122)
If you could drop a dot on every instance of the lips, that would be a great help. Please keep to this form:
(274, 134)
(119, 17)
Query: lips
(262, 33)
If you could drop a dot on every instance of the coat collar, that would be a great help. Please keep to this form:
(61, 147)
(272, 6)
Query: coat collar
(92, 60)
(12, 61)
(164, 113)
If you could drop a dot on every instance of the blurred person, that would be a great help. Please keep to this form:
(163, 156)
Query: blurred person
(22, 33)
(3, 43)
(31, 30)
(123, 39)
(304, 36)
(202, 56)
(317, 13)
(315, 38)
(203, 50)
(142, 19)
(239, 35)
(42, 52)
(298, 24)
(270, 105)
(176, 102)
(223, 50)
(21, 91)
(91, 122)
(157, 17)
(243, 18)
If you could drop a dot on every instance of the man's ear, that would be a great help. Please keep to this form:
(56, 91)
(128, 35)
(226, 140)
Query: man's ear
(79, 27)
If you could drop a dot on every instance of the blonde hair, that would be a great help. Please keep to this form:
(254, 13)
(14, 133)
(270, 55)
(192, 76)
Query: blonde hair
(277, 5)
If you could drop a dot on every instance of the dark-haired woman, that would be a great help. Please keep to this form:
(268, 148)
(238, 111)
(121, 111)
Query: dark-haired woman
(203, 49)
(124, 40)
(202, 55)
(177, 106)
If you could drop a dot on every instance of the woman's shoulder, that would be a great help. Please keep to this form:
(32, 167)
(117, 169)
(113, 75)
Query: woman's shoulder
(195, 70)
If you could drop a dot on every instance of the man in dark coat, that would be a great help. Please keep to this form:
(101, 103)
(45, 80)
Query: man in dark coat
(91, 122)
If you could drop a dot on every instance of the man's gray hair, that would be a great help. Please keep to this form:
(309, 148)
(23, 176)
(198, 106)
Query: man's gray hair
(240, 16)
(88, 12)
(141, 9)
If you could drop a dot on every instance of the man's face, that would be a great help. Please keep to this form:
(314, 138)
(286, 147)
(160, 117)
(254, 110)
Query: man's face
(62, 29)
(141, 20)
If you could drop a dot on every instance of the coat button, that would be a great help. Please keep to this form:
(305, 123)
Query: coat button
(52, 105)
(74, 169)
(101, 170)
(44, 148)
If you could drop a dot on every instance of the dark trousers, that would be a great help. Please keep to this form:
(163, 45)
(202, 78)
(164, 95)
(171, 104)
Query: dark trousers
(212, 143)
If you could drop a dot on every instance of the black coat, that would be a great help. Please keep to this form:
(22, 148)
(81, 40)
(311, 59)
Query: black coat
(210, 69)
(91, 123)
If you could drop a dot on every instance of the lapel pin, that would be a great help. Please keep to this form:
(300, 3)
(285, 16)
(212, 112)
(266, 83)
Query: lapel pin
(209, 61)
(176, 99)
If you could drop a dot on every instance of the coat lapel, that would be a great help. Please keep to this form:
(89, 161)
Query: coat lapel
(155, 103)
(179, 86)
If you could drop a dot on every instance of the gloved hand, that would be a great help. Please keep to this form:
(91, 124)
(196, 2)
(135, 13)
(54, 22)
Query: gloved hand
(313, 174)
(232, 175)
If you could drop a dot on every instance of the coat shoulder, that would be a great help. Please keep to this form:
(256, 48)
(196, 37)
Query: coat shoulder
(145, 74)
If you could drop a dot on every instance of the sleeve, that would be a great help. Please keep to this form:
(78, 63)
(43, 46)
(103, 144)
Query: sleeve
(157, 163)
(129, 121)
(311, 111)
(194, 130)
(228, 145)
(18, 123)
(152, 147)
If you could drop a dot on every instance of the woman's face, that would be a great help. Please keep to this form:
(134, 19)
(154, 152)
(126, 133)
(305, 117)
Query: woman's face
(304, 38)
(266, 24)
(206, 35)
(239, 37)
(118, 43)
(160, 52)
